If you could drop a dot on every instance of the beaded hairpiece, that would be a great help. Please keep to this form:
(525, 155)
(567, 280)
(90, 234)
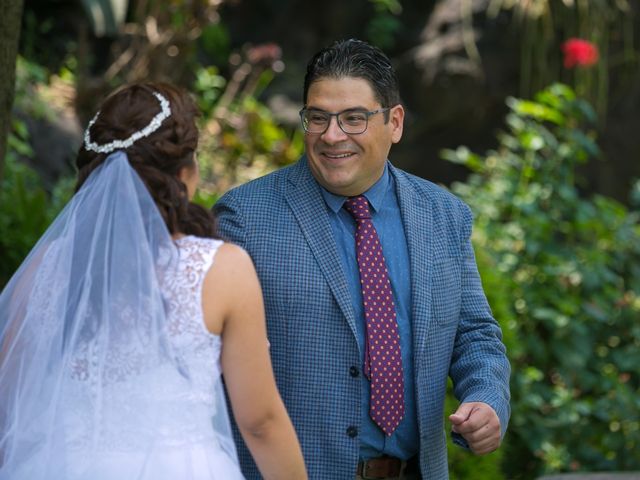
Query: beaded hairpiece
(155, 123)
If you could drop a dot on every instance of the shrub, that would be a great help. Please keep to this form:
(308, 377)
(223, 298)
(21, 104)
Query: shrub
(26, 208)
(570, 267)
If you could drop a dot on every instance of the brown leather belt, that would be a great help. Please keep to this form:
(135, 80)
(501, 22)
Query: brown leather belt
(384, 467)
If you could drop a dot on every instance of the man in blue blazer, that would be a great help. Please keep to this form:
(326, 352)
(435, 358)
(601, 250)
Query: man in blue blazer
(294, 225)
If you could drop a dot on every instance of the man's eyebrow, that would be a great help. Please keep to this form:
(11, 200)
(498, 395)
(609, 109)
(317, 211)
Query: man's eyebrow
(350, 109)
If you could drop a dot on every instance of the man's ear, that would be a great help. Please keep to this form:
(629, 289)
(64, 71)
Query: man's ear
(396, 120)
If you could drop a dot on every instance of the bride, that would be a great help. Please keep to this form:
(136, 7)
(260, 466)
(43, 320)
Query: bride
(117, 330)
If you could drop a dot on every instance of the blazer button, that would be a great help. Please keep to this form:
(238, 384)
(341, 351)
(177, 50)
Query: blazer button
(352, 431)
(354, 371)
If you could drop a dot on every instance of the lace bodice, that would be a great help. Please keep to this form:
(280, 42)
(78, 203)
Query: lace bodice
(183, 294)
(194, 345)
(143, 403)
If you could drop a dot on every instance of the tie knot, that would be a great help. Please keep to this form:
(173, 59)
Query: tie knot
(358, 207)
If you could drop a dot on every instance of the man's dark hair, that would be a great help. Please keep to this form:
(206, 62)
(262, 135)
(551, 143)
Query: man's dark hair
(358, 59)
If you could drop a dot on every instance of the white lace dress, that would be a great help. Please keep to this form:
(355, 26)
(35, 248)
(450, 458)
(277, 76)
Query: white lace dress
(162, 424)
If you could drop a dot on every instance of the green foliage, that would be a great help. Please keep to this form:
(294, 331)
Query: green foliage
(243, 144)
(205, 199)
(569, 267)
(208, 87)
(384, 23)
(33, 30)
(215, 43)
(635, 194)
(26, 209)
(28, 76)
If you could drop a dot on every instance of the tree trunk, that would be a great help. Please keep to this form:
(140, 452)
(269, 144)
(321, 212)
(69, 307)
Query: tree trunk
(9, 34)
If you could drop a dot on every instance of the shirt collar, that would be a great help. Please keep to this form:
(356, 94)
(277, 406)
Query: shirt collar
(375, 194)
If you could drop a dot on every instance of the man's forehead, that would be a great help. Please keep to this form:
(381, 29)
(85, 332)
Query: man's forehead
(352, 91)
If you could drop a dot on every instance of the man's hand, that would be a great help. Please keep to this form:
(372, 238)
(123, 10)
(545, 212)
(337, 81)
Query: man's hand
(479, 425)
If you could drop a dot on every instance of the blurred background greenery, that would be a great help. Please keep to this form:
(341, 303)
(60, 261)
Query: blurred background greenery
(544, 151)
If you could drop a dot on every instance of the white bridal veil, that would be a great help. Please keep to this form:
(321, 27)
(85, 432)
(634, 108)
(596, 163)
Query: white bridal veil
(86, 363)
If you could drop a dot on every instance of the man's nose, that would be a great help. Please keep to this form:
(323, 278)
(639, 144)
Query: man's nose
(333, 133)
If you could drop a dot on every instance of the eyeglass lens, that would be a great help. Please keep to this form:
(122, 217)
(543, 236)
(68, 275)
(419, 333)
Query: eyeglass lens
(350, 121)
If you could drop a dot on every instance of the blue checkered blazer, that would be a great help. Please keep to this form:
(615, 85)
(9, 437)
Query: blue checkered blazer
(282, 221)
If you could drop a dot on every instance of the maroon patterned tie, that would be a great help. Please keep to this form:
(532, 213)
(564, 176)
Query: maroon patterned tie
(382, 362)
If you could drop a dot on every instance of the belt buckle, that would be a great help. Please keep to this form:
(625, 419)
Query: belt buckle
(365, 470)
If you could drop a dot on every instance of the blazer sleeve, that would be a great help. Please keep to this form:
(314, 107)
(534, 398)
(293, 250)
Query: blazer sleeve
(231, 224)
(479, 366)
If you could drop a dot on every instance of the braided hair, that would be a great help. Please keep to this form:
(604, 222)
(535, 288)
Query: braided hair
(157, 158)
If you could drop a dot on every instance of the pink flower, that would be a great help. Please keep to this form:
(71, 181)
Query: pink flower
(579, 53)
(266, 53)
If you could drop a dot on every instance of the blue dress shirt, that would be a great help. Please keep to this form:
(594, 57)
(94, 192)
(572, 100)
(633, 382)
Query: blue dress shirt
(385, 213)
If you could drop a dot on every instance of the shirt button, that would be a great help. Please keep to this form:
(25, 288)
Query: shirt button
(354, 371)
(352, 431)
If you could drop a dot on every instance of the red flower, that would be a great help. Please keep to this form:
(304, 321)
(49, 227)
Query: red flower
(579, 53)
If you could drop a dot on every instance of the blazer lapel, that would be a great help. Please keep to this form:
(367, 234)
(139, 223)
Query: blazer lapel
(417, 219)
(308, 207)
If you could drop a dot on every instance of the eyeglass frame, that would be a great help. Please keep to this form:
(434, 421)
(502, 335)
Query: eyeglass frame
(368, 114)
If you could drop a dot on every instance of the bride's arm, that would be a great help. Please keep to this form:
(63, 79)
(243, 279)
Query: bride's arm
(232, 303)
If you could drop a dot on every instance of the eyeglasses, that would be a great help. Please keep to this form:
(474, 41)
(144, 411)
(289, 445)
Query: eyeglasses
(351, 121)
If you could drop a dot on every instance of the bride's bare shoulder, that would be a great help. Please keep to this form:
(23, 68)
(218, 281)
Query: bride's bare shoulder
(234, 257)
